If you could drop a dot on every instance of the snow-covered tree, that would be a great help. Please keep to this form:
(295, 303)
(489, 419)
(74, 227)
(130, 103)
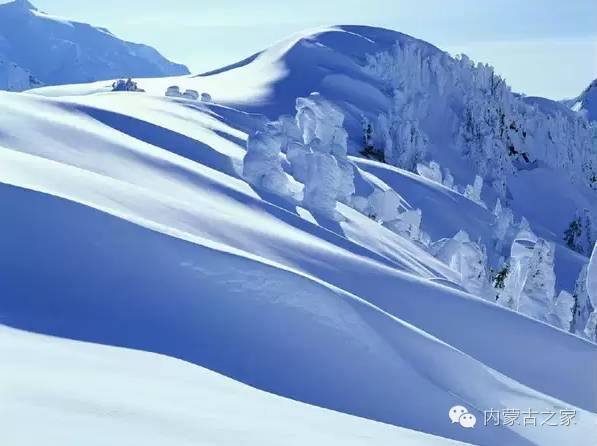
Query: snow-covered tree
(327, 173)
(521, 253)
(590, 331)
(408, 224)
(498, 131)
(562, 311)
(473, 191)
(499, 278)
(448, 179)
(262, 164)
(293, 146)
(502, 224)
(431, 172)
(488, 134)
(323, 183)
(580, 234)
(383, 205)
(469, 259)
(409, 144)
(369, 148)
(125, 85)
(538, 290)
(191, 94)
(173, 91)
(582, 302)
(399, 132)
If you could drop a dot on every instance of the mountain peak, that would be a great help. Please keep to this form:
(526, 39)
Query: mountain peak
(19, 4)
(586, 102)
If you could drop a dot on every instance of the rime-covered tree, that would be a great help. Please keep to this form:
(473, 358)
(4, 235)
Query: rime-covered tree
(262, 164)
(562, 311)
(538, 290)
(580, 234)
(473, 191)
(498, 131)
(467, 257)
(328, 174)
(582, 302)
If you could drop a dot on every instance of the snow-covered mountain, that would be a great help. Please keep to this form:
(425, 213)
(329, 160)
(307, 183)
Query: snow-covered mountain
(348, 248)
(37, 48)
(16, 78)
(586, 102)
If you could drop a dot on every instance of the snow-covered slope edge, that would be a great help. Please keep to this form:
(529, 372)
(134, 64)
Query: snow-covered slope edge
(80, 393)
(39, 48)
(586, 102)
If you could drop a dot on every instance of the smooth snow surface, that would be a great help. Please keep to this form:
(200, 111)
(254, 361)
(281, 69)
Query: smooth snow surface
(56, 392)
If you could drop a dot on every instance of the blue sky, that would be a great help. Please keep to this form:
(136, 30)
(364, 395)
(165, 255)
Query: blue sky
(542, 47)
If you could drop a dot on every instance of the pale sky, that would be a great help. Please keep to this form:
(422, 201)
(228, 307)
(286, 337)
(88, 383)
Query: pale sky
(542, 47)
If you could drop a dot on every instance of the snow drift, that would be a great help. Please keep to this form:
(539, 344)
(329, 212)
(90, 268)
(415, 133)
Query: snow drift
(117, 396)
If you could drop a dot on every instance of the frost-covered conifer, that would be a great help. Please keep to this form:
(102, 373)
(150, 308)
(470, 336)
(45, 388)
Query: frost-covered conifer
(581, 233)
(473, 192)
(538, 290)
(262, 164)
(498, 131)
(323, 165)
(408, 224)
(468, 258)
(590, 331)
(562, 311)
(583, 306)
(383, 206)
(448, 179)
(521, 253)
(431, 172)
(503, 223)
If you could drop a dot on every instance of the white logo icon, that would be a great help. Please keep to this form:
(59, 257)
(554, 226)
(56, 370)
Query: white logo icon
(460, 414)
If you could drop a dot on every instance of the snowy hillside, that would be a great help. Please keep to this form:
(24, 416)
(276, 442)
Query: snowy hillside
(115, 396)
(336, 248)
(53, 51)
(16, 78)
(586, 102)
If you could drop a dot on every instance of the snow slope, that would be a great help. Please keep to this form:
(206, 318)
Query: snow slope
(15, 78)
(330, 61)
(58, 51)
(200, 266)
(586, 102)
(77, 393)
(131, 213)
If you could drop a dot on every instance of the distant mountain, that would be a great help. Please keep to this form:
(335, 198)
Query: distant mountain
(16, 78)
(586, 102)
(36, 48)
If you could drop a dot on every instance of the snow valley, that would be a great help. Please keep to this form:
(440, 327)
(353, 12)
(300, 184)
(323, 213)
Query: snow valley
(342, 237)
